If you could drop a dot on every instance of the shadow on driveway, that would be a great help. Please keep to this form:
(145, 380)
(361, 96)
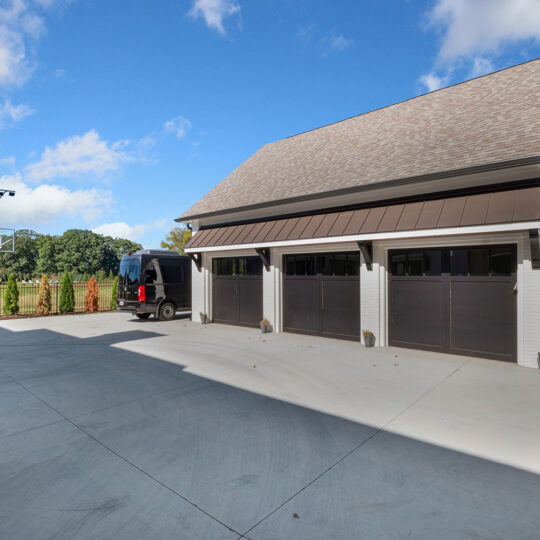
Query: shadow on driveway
(99, 442)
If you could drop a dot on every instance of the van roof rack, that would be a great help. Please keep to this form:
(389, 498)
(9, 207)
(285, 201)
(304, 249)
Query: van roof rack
(156, 252)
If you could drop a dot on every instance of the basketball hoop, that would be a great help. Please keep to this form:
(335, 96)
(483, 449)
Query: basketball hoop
(7, 236)
(7, 240)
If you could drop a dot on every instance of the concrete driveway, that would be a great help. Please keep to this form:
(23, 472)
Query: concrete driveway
(112, 427)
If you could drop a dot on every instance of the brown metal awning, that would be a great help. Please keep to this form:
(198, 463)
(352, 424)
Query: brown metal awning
(518, 205)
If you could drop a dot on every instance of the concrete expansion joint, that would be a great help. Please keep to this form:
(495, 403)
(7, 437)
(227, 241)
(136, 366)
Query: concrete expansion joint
(110, 450)
(358, 447)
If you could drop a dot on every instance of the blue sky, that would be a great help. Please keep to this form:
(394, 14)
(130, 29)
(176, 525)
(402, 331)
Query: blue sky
(117, 116)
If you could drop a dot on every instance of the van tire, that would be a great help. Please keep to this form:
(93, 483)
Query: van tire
(167, 311)
(142, 315)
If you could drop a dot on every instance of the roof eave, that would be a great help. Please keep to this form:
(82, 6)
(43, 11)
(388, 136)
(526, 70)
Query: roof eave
(486, 167)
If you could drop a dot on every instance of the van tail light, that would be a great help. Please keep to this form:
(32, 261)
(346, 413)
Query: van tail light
(142, 293)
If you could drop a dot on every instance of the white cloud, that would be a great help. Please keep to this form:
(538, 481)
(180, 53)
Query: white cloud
(340, 43)
(178, 125)
(121, 229)
(433, 82)
(14, 65)
(214, 12)
(327, 44)
(18, 23)
(21, 25)
(76, 156)
(13, 113)
(8, 160)
(305, 33)
(475, 32)
(33, 206)
(483, 26)
(481, 66)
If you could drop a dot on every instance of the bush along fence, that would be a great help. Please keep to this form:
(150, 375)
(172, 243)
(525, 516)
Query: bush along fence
(47, 298)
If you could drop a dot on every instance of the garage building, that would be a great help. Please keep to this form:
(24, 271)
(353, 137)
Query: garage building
(418, 221)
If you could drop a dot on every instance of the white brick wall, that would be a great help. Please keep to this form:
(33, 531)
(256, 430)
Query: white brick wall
(199, 290)
(531, 310)
(370, 292)
(271, 293)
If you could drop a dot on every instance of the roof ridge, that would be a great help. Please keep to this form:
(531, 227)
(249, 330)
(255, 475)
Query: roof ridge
(406, 100)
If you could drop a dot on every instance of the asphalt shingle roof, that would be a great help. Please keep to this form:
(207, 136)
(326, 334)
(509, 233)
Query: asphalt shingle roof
(491, 119)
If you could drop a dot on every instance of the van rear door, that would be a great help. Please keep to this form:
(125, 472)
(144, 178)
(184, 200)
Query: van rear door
(128, 279)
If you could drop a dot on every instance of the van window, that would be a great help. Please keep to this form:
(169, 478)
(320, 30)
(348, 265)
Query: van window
(172, 271)
(150, 274)
(129, 271)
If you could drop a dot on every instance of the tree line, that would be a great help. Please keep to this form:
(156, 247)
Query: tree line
(81, 252)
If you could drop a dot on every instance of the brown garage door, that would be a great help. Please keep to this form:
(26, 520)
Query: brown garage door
(321, 294)
(237, 290)
(456, 300)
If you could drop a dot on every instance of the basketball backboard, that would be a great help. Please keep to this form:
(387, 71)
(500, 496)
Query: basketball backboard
(7, 240)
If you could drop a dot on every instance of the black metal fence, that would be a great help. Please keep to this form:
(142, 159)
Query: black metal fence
(29, 293)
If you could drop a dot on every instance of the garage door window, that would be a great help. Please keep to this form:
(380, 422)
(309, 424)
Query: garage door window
(331, 264)
(300, 265)
(237, 266)
(417, 263)
(481, 261)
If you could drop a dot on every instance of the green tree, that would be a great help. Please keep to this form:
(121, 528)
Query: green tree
(21, 263)
(116, 248)
(177, 239)
(114, 292)
(49, 246)
(43, 306)
(111, 275)
(81, 251)
(101, 275)
(67, 294)
(11, 298)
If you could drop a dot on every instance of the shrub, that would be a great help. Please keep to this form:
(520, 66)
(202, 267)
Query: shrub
(114, 293)
(101, 275)
(11, 299)
(67, 295)
(43, 306)
(111, 275)
(92, 295)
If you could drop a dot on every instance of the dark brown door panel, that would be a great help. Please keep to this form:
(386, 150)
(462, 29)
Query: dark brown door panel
(418, 313)
(340, 303)
(237, 291)
(481, 317)
(467, 307)
(250, 301)
(301, 304)
(321, 294)
(225, 300)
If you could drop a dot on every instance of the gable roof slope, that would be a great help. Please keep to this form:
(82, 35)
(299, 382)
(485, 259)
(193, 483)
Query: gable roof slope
(491, 119)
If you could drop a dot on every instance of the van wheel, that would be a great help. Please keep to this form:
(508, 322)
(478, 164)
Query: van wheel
(142, 315)
(167, 311)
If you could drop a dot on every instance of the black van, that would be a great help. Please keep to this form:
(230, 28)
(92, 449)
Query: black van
(154, 281)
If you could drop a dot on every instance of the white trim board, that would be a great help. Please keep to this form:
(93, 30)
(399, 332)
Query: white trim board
(451, 231)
